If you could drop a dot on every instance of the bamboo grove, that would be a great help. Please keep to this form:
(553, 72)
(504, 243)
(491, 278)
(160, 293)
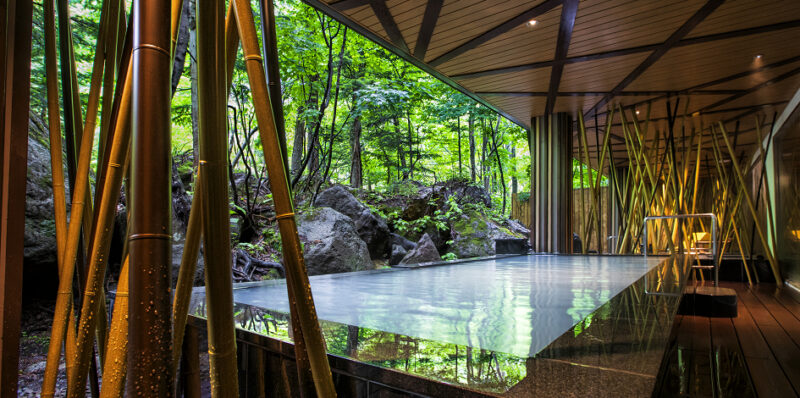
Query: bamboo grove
(679, 166)
(131, 78)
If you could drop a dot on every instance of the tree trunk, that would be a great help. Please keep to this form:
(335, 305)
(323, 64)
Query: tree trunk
(458, 133)
(182, 44)
(471, 148)
(514, 171)
(356, 176)
(300, 128)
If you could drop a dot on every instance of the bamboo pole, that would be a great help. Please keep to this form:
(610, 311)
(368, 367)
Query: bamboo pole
(150, 336)
(77, 220)
(212, 70)
(106, 210)
(183, 288)
(767, 250)
(279, 184)
(115, 365)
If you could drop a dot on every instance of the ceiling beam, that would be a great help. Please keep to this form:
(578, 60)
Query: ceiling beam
(429, 20)
(634, 50)
(498, 30)
(568, 11)
(381, 11)
(673, 39)
(601, 93)
(751, 90)
(344, 5)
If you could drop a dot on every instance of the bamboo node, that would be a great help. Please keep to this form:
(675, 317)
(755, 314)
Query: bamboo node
(284, 216)
(254, 58)
(149, 236)
(151, 47)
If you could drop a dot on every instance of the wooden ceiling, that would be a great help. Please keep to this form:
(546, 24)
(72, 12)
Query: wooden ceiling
(584, 56)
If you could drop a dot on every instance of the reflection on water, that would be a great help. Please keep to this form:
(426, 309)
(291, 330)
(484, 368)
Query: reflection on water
(477, 324)
(514, 305)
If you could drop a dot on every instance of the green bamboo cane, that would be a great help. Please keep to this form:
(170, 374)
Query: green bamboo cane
(279, 184)
(767, 250)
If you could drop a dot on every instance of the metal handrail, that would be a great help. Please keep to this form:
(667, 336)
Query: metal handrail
(681, 216)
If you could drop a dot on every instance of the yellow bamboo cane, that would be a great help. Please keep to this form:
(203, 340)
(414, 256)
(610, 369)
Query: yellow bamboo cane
(93, 293)
(116, 362)
(293, 254)
(767, 250)
(77, 220)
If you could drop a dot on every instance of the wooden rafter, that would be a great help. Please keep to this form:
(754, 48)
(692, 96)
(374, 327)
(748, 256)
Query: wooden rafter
(601, 93)
(662, 49)
(568, 11)
(429, 20)
(496, 31)
(633, 50)
(344, 5)
(389, 25)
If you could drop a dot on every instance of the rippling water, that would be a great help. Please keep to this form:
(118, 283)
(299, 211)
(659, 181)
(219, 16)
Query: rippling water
(516, 305)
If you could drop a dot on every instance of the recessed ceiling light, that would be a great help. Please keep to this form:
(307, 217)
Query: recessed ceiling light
(637, 111)
(759, 56)
(532, 22)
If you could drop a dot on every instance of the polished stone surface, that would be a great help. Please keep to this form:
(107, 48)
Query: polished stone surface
(515, 305)
(516, 326)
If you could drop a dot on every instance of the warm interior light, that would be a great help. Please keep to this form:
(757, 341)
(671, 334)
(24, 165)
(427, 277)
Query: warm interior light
(532, 22)
(759, 56)
(637, 112)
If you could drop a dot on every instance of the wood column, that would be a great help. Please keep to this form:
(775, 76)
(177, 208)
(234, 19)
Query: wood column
(551, 183)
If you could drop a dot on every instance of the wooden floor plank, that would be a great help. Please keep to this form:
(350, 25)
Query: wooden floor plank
(784, 296)
(732, 377)
(785, 319)
(750, 338)
(768, 379)
(783, 348)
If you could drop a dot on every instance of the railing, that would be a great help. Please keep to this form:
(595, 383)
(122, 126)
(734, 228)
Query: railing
(713, 217)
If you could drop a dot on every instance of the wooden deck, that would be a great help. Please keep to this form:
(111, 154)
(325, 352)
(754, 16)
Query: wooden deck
(756, 354)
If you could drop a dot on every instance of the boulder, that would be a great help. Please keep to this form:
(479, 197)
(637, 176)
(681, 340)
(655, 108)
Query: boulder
(398, 253)
(331, 243)
(424, 253)
(474, 235)
(40, 262)
(371, 228)
(395, 239)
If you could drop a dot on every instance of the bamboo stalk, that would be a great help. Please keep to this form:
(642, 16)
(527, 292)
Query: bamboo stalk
(150, 336)
(115, 365)
(212, 70)
(183, 288)
(767, 250)
(106, 211)
(279, 184)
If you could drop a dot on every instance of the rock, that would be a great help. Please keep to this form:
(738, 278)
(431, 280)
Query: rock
(517, 227)
(424, 253)
(398, 240)
(371, 228)
(474, 235)
(398, 253)
(39, 261)
(331, 243)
